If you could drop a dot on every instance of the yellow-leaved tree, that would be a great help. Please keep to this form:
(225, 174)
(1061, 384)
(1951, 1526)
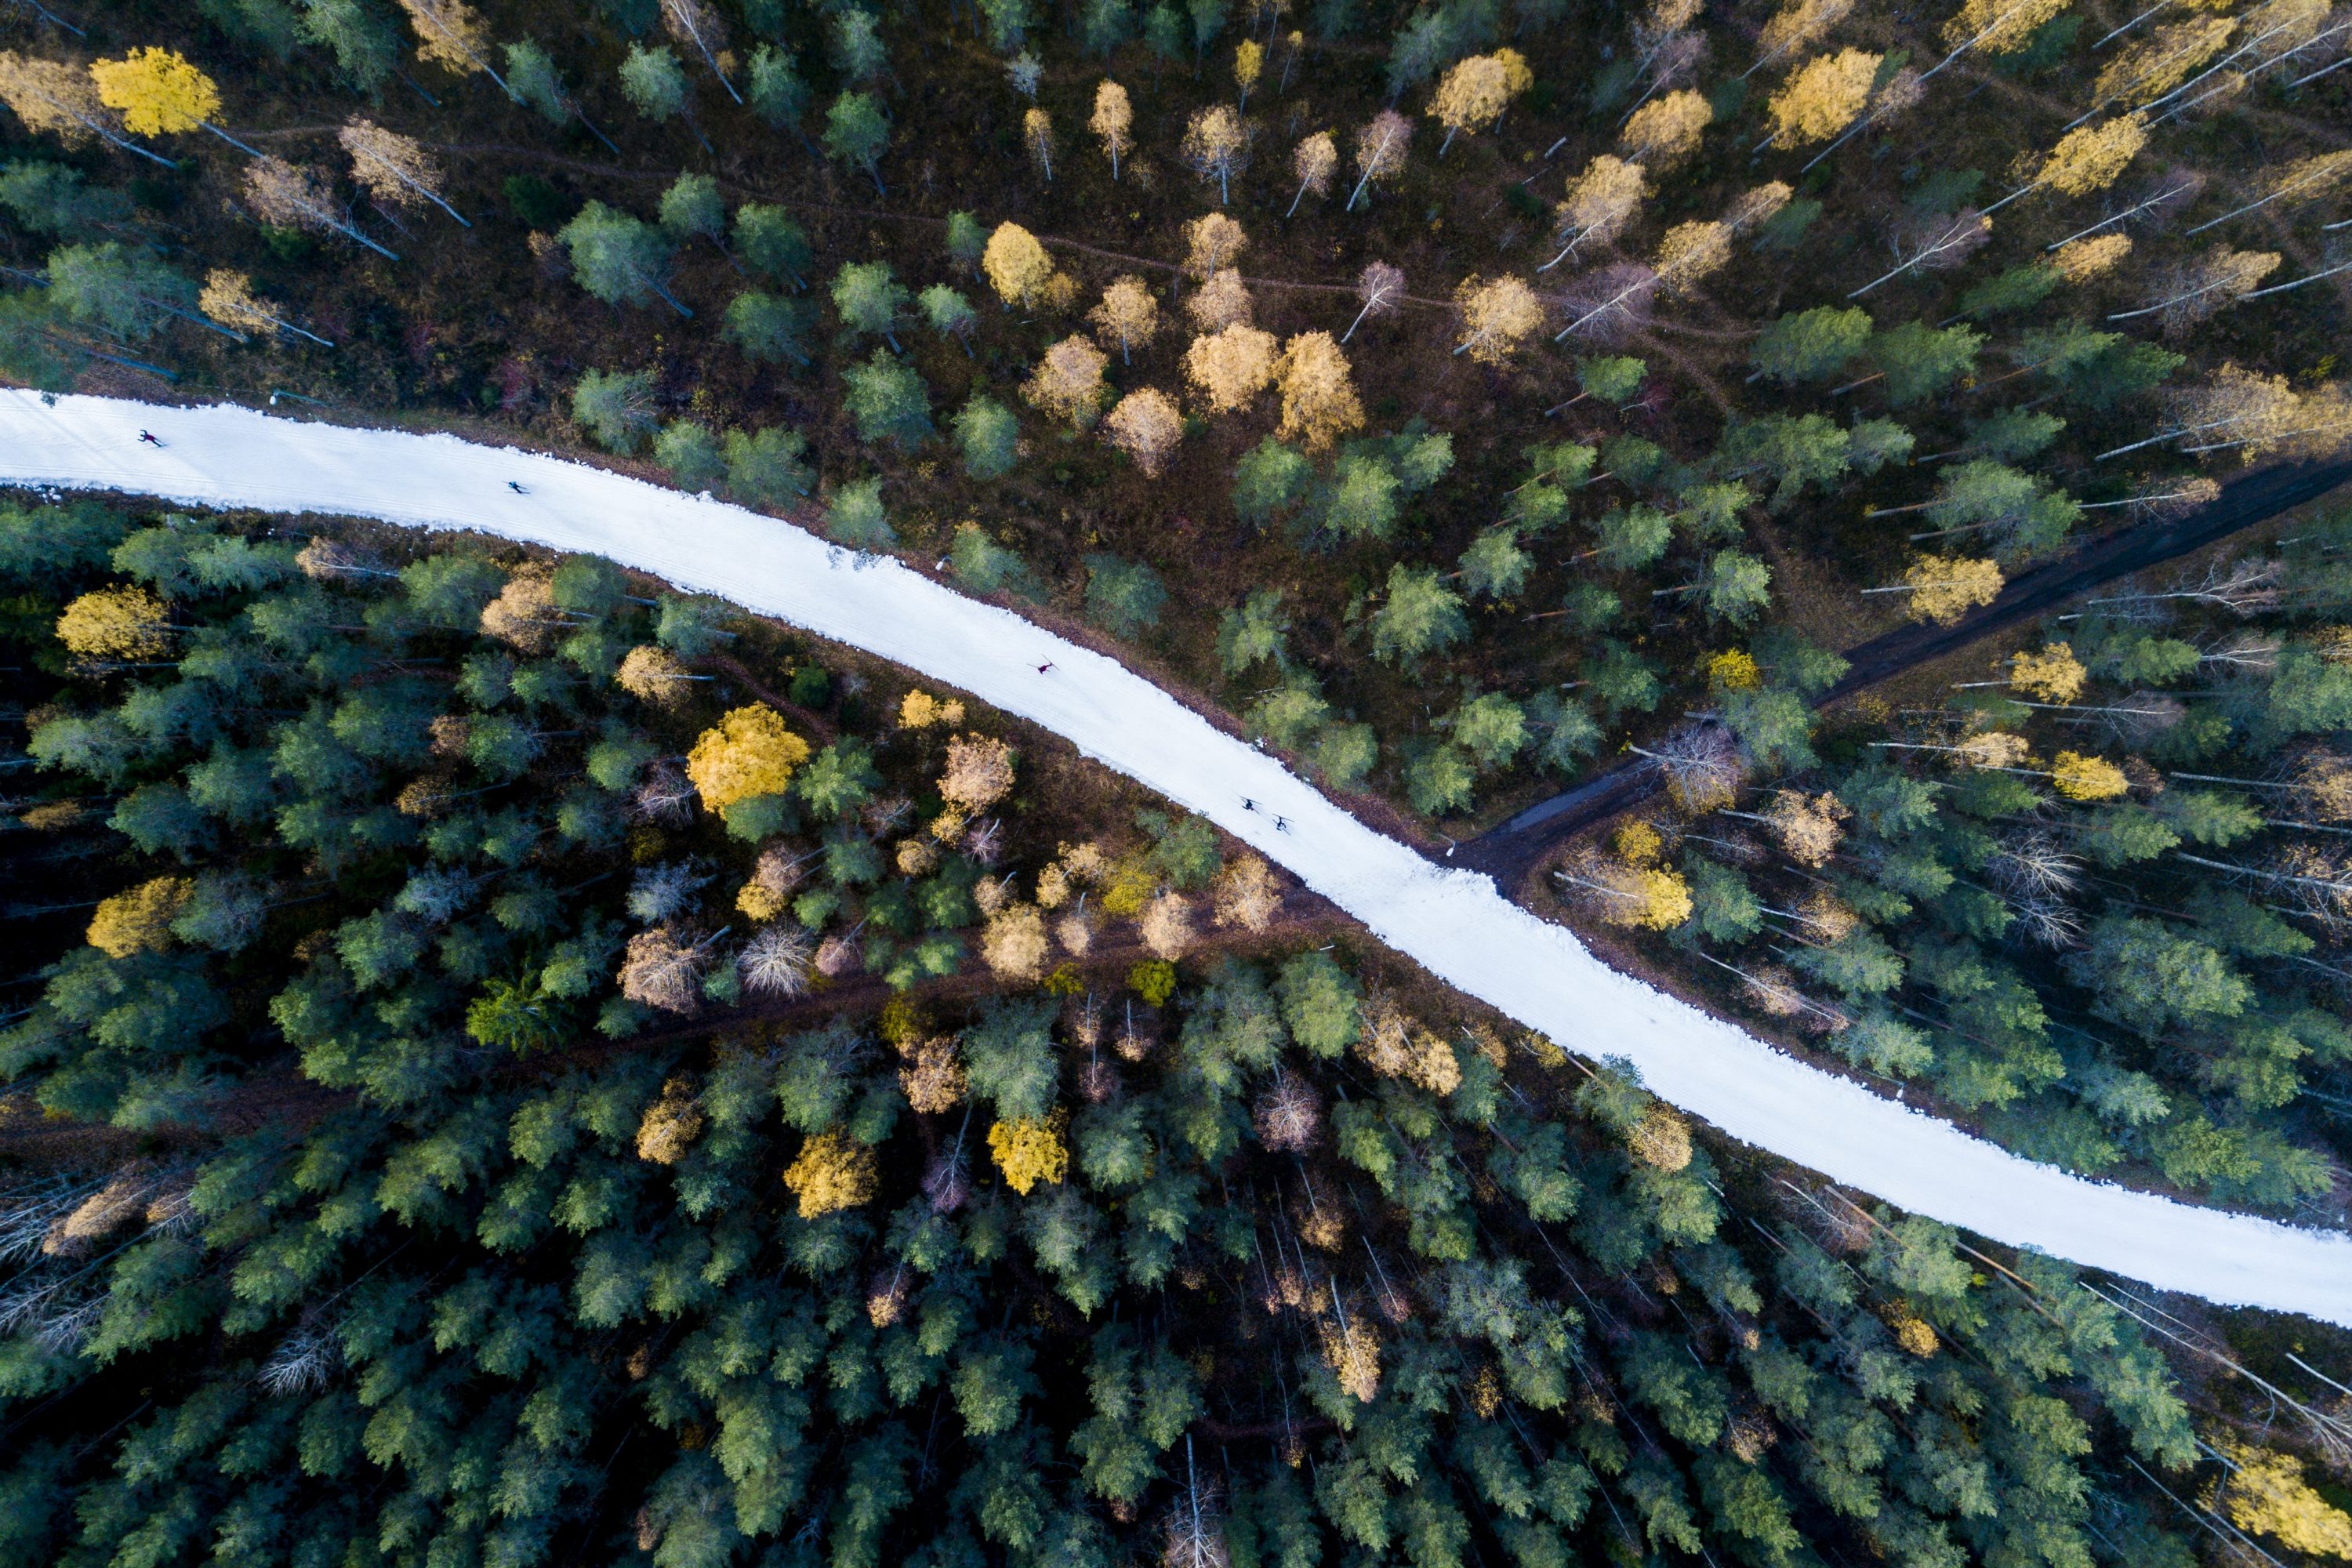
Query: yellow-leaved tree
(158, 92)
(832, 1171)
(1472, 95)
(1231, 367)
(1666, 130)
(1113, 122)
(1146, 426)
(2266, 1494)
(140, 920)
(396, 170)
(1944, 588)
(1068, 382)
(1127, 316)
(1029, 1150)
(2079, 777)
(109, 623)
(1498, 316)
(1017, 265)
(1821, 98)
(1316, 157)
(1318, 393)
(748, 754)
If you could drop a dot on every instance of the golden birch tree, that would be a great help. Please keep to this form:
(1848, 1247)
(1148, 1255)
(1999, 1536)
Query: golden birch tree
(1690, 253)
(1219, 303)
(1379, 151)
(1319, 393)
(1037, 135)
(1067, 383)
(1944, 588)
(450, 33)
(1316, 157)
(1821, 98)
(1017, 265)
(1666, 130)
(1215, 147)
(1498, 316)
(1147, 426)
(395, 170)
(1796, 25)
(749, 752)
(1212, 244)
(1113, 122)
(1231, 367)
(1127, 316)
(1600, 202)
(1471, 97)
(116, 624)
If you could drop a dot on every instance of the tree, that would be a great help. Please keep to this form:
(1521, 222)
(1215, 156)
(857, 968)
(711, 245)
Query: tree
(1821, 98)
(361, 39)
(2090, 158)
(2264, 1494)
(228, 298)
(124, 293)
(748, 754)
(1499, 315)
(450, 34)
(1016, 265)
(776, 91)
(1231, 367)
(1113, 122)
(888, 400)
(395, 170)
(832, 1173)
(1128, 315)
(1379, 152)
(1810, 345)
(1037, 135)
(1472, 96)
(854, 516)
(1935, 241)
(531, 77)
(288, 195)
(1146, 424)
(1600, 202)
(768, 468)
(1314, 161)
(1689, 254)
(1249, 63)
(697, 26)
(690, 452)
(949, 313)
(1253, 632)
(619, 258)
(1944, 588)
(857, 132)
(869, 300)
(158, 92)
(1381, 287)
(1222, 302)
(692, 208)
(655, 86)
(769, 240)
(1215, 147)
(1124, 597)
(140, 920)
(1796, 25)
(766, 327)
(1269, 480)
(1318, 395)
(1068, 382)
(989, 437)
(2194, 289)
(49, 95)
(1420, 615)
(1666, 130)
(116, 624)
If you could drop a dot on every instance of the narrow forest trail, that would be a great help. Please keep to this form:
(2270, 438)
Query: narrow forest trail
(1510, 851)
(1455, 922)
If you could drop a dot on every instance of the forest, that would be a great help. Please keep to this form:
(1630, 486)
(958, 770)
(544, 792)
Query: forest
(509, 1064)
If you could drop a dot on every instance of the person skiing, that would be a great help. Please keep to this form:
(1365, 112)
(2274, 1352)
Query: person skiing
(149, 437)
(516, 486)
(1044, 666)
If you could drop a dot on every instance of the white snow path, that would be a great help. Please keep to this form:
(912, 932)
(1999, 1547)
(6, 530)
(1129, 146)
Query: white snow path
(1455, 924)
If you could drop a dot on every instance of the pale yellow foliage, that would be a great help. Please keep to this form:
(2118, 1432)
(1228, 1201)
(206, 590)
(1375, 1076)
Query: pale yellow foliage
(1993, 749)
(2051, 672)
(1661, 899)
(1014, 943)
(1638, 843)
(832, 1173)
(1690, 253)
(1660, 1139)
(1666, 130)
(2149, 67)
(979, 772)
(449, 33)
(1794, 27)
(1249, 63)
(1757, 205)
(1808, 828)
(1501, 314)
(116, 624)
(2092, 157)
(228, 297)
(1059, 294)
(748, 752)
(1128, 317)
(1214, 139)
(915, 856)
(919, 710)
(1016, 264)
(524, 614)
(1944, 588)
(140, 920)
(2080, 260)
(289, 195)
(1913, 1332)
(1319, 393)
(1029, 1150)
(1247, 894)
(50, 95)
(2308, 179)
(662, 971)
(1167, 926)
(653, 674)
(1353, 1351)
(396, 170)
(933, 1078)
(1146, 424)
(1113, 122)
(156, 91)
(1733, 669)
(100, 1214)
(1603, 198)
(1472, 95)
(1231, 367)
(1315, 160)
(1999, 26)
(1380, 146)
(1068, 382)
(1213, 244)
(1037, 135)
(2266, 1494)
(1223, 301)
(670, 1124)
(1821, 97)
(2078, 777)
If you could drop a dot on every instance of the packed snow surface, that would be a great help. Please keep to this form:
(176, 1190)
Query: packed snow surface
(1454, 923)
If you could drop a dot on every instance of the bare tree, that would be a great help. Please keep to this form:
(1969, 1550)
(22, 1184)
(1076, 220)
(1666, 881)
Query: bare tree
(1381, 288)
(1933, 242)
(695, 24)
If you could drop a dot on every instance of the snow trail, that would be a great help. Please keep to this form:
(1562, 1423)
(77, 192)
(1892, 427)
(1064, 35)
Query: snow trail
(1455, 924)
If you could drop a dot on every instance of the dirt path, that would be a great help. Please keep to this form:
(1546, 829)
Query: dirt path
(1510, 851)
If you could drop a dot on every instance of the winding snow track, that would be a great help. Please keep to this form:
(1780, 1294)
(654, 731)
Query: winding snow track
(1454, 923)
